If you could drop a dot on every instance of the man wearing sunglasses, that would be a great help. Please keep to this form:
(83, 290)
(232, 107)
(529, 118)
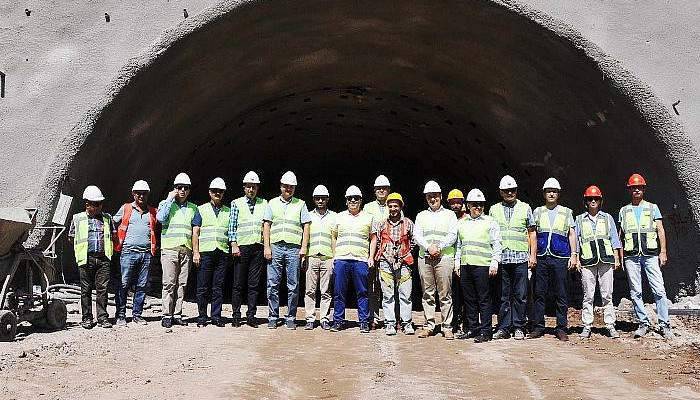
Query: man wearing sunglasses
(213, 257)
(519, 239)
(286, 240)
(435, 232)
(137, 244)
(598, 245)
(245, 235)
(355, 247)
(478, 254)
(93, 235)
(181, 222)
(556, 240)
(644, 248)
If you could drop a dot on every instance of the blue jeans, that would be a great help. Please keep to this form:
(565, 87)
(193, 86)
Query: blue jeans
(633, 266)
(210, 277)
(550, 274)
(513, 296)
(133, 265)
(343, 272)
(286, 256)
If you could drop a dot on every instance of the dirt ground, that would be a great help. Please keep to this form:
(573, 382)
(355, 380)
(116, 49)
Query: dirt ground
(149, 362)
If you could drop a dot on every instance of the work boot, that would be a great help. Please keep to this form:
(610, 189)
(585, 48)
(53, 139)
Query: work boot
(291, 325)
(424, 333)
(325, 325)
(390, 330)
(501, 334)
(166, 322)
(612, 332)
(536, 333)
(586, 332)
(179, 321)
(104, 323)
(408, 329)
(561, 335)
(519, 334)
(447, 333)
(641, 331)
(87, 324)
(121, 321)
(309, 326)
(667, 333)
(139, 320)
(364, 327)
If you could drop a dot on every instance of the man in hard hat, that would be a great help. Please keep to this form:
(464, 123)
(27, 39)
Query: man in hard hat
(245, 236)
(455, 200)
(478, 254)
(379, 211)
(136, 233)
(93, 235)
(320, 259)
(556, 245)
(435, 232)
(519, 238)
(598, 245)
(178, 240)
(644, 238)
(286, 240)
(214, 254)
(394, 258)
(355, 247)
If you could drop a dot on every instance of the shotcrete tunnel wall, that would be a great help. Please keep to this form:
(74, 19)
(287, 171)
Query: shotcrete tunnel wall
(462, 93)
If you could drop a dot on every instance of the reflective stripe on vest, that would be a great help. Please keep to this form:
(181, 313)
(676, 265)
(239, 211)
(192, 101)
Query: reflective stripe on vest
(643, 232)
(594, 239)
(249, 226)
(435, 229)
(177, 230)
(553, 240)
(514, 231)
(286, 224)
(214, 231)
(80, 241)
(475, 241)
(320, 233)
(353, 235)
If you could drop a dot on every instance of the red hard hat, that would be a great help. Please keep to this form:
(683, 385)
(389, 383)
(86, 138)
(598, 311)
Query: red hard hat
(593, 191)
(636, 180)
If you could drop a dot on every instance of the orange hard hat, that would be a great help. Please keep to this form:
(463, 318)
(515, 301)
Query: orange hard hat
(593, 191)
(636, 180)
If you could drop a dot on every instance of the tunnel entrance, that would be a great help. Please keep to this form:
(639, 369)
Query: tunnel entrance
(460, 92)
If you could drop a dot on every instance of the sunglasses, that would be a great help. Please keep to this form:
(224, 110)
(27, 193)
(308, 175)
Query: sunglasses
(477, 205)
(590, 199)
(217, 191)
(182, 187)
(509, 190)
(353, 198)
(93, 203)
(140, 193)
(635, 188)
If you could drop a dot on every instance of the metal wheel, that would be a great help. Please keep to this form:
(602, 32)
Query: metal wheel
(8, 326)
(56, 314)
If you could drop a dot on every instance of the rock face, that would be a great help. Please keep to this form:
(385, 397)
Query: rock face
(462, 93)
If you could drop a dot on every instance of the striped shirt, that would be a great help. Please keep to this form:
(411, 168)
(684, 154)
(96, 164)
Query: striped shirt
(233, 219)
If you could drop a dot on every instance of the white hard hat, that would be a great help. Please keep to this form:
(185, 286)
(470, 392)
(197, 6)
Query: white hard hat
(551, 183)
(141, 186)
(353, 191)
(182, 179)
(476, 195)
(321, 190)
(251, 177)
(289, 178)
(217, 183)
(93, 193)
(432, 187)
(507, 182)
(381, 181)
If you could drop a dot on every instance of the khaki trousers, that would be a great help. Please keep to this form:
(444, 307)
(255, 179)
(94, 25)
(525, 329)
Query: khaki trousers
(318, 275)
(176, 267)
(436, 275)
(603, 273)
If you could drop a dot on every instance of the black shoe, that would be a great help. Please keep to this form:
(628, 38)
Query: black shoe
(468, 335)
(87, 324)
(218, 323)
(536, 333)
(166, 322)
(236, 322)
(482, 338)
(562, 335)
(104, 323)
(337, 326)
(251, 322)
(179, 321)
(201, 322)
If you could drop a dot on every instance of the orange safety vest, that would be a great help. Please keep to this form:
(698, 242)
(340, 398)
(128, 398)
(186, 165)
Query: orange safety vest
(121, 231)
(404, 242)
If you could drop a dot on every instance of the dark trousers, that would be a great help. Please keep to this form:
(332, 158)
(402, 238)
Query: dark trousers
(343, 272)
(513, 296)
(458, 309)
(210, 279)
(477, 298)
(550, 275)
(94, 275)
(246, 275)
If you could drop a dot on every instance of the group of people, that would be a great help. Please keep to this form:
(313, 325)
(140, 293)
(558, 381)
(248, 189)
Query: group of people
(460, 250)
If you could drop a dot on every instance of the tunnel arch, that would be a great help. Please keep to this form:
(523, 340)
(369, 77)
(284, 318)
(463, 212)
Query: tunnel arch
(462, 92)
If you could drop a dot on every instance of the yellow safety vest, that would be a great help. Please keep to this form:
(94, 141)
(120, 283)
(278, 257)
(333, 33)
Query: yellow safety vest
(435, 229)
(286, 222)
(643, 232)
(514, 231)
(177, 230)
(378, 213)
(80, 241)
(596, 245)
(475, 241)
(354, 235)
(214, 231)
(320, 233)
(249, 225)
